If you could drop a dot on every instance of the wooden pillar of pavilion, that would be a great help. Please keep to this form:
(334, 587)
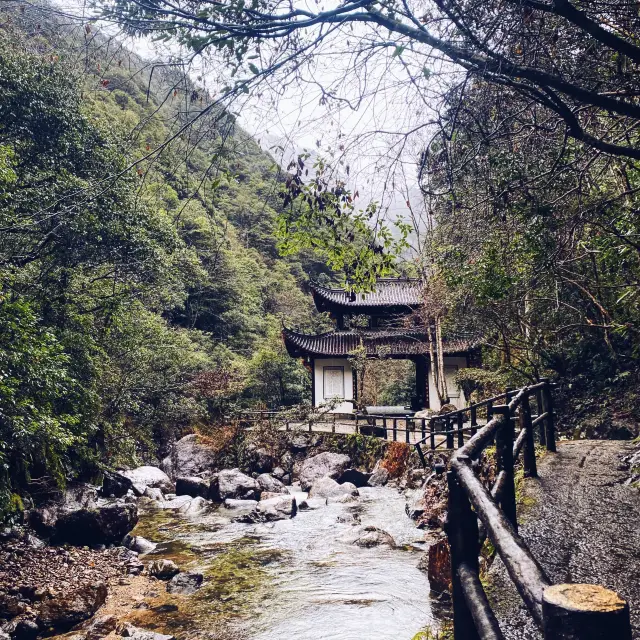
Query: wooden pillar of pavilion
(421, 399)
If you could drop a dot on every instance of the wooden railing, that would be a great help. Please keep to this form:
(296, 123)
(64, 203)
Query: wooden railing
(563, 612)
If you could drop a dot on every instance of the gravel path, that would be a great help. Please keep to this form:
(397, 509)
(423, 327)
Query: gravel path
(583, 526)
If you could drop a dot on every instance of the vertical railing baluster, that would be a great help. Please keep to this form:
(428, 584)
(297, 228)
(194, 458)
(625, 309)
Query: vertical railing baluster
(423, 428)
(449, 432)
(474, 419)
(547, 401)
(504, 463)
(460, 420)
(432, 434)
(541, 424)
(529, 447)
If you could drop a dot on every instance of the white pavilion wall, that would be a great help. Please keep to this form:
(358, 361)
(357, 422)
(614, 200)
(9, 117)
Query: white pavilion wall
(451, 366)
(325, 383)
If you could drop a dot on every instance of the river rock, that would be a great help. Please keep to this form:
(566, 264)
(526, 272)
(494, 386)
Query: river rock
(102, 525)
(190, 457)
(185, 583)
(374, 537)
(115, 484)
(232, 483)
(263, 461)
(415, 507)
(329, 488)
(279, 508)
(163, 569)
(21, 628)
(279, 473)
(328, 464)
(153, 494)
(72, 606)
(138, 544)
(231, 503)
(379, 477)
(267, 495)
(355, 477)
(194, 507)
(310, 504)
(136, 633)
(271, 484)
(147, 476)
(192, 486)
(175, 503)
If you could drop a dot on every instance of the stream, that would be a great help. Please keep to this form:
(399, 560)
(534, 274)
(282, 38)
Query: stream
(301, 578)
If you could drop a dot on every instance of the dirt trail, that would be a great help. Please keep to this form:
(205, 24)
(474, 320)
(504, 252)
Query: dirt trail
(583, 526)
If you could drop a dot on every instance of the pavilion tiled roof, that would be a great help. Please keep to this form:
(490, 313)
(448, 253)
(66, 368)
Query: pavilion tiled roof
(377, 343)
(391, 292)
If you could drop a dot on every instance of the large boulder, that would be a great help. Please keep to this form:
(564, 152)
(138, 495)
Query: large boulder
(332, 465)
(135, 633)
(192, 486)
(190, 457)
(374, 537)
(329, 488)
(194, 507)
(279, 508)
(138, 544)
(71, 606)
(163, 569)
(102, 525)
(232, 483)
(143, 477)
(115, 485)
(379, 477)
(267, 482)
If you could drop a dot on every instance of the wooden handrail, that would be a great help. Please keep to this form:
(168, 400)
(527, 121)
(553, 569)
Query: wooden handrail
(470, 502)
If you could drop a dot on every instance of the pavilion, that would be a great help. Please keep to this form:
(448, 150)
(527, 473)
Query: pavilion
(374, 320)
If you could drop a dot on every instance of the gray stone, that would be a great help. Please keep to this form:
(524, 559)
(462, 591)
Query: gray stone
(163, 569)
(278, 473)
(185, 583)
(279, 508)
(102, 525)
(175, 503)
(271, 484)
(190, 457)
(326, 464)
(329, 488)
(135, 633)
(232, 483)
(146, 476)
(374, 537)
(115, 484)
(153, 494)
(21, 628)
(194, 507)
(192, 486)
(138, 544)
(230, 503)
(263, 461)
(379, 477)
(100, 627)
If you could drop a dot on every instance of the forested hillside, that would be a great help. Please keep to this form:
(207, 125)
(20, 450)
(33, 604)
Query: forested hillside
(138, 297)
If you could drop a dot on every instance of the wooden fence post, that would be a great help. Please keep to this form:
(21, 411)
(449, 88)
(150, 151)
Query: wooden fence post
(432, 434)
(529, 447)
(407, 434)
(541, 424)
(547, 401)
(449, 433)
(423, 426)
(460, 420)
(584, 612)
(504, 459)
(395, 429)
(462, 531)
(474, 420)
(489, 410)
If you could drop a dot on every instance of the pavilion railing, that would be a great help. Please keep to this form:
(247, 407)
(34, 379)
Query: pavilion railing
(563, 612)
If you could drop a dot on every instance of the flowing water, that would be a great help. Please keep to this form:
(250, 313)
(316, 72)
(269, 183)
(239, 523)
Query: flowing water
(301, 578)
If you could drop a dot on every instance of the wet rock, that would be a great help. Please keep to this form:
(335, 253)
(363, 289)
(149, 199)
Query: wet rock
(138, 544)
(175, 503)
(71, 607)
(329, 488)
(348, 518)
(190, 456)
(146, 476)
(194, 507)
(153, 494)
(415, 507)
(345, 498)
(100, 627)
(310, 504)
(326, 464)
(415, 478)
(299, 443)
(271, 484)
(136, 633)
(263, 461)
(267, 495)
(379, 477)
(163, 569)
(355, 477)
(232, 483)
(115, 484)
(279, 508)
(185, 583)
(102, 525)
(374, 537)
(439, 566)
(192, 486)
